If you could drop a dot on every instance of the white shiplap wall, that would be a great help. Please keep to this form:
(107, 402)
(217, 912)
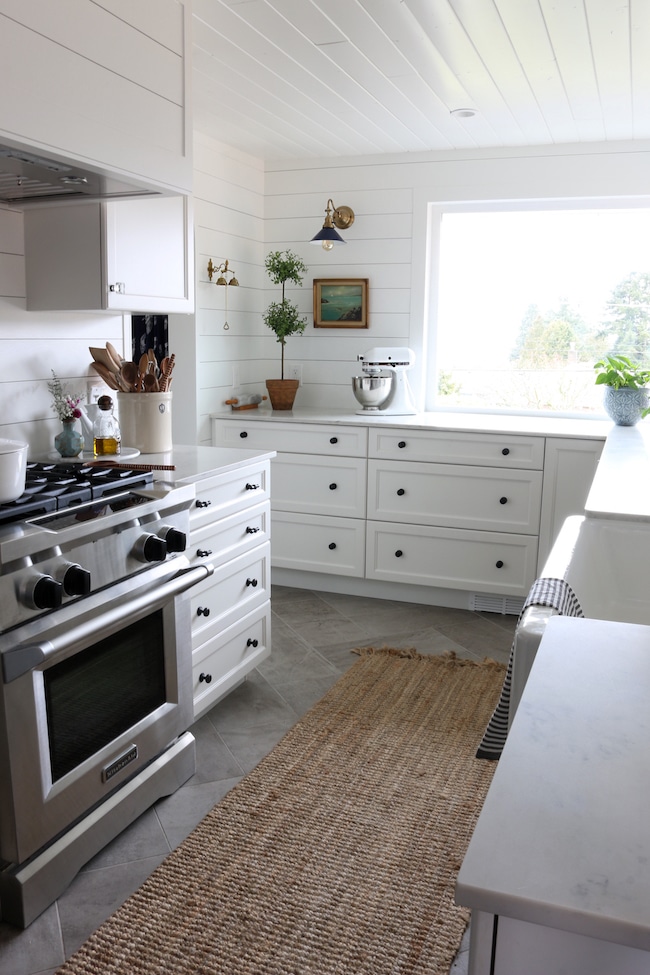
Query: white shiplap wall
(228, 224)
(387, 243)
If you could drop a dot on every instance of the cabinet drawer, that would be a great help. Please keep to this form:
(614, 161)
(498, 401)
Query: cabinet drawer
(316, 543)
(319, 485)
(452, 559)
(229, 492)
(234, 589)
(491, 450)
(290, 437)
(225, 660)
(456, 497)
(232, 536)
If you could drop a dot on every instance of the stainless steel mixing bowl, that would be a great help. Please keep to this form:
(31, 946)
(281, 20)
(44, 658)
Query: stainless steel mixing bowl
(372, 391)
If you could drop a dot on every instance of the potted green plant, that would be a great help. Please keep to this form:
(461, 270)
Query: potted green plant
(283, 318)
(626, 395)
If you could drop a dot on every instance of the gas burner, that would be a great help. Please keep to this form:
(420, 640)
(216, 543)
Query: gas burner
(55, 486)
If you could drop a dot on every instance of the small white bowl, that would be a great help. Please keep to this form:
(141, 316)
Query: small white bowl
(13, 464)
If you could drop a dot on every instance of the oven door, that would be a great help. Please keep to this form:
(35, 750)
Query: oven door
(90, 696)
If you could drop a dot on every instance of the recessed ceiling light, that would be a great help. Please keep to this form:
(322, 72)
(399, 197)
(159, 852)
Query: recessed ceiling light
(463, 112)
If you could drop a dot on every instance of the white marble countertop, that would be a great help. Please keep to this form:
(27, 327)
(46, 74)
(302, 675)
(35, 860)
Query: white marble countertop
(546, 426)
(621, 487)
(563, 838)
(194, 463)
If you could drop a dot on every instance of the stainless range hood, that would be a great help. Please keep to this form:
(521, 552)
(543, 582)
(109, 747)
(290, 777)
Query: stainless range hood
(27, 178)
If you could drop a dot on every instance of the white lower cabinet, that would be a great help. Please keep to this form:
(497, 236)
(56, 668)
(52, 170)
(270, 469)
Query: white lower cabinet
(221, 663)
(451, 558)
(230, 610)
(316, 543)
(423, 507)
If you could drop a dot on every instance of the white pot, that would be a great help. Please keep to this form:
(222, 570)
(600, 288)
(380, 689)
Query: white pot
(13, 463)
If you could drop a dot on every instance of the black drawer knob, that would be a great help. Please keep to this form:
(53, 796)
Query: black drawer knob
(334, 439)
(400, 492)
(203, 611)
(203, 553)
(399, 553)
(503, 500)
(203, 504)
(499, 564)
(251, 582)
(243, 434)
(251, 487)
(332, 546)
(402, 443)
(251, 531)
(333, 487)
(251, 643)
(205, 677)
(505, 451)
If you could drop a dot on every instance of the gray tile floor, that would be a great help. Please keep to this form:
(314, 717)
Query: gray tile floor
(312, 636)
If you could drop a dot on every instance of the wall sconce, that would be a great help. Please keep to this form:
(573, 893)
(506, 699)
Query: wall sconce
(223, 271)
(341, 217)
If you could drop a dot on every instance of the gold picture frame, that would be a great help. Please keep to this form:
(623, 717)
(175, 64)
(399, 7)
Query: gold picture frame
(340, 302)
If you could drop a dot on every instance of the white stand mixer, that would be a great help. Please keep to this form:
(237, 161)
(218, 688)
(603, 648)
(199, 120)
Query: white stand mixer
(399, 399)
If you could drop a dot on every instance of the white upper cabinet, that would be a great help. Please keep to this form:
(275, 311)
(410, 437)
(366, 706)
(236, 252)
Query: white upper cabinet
(131, 256)
(103, 82)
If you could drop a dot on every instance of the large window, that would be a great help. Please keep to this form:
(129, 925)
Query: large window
(527, 300)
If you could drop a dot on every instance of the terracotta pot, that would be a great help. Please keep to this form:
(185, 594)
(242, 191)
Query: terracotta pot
(282, 393)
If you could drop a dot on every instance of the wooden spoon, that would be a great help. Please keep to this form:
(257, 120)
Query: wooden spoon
(150, 383)
(129, 376)
(143, 364)
(153, 362)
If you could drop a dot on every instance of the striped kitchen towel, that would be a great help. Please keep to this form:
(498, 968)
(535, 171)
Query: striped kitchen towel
(557, 594)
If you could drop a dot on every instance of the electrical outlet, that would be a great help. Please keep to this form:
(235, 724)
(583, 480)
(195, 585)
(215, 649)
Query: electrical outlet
(295, 372)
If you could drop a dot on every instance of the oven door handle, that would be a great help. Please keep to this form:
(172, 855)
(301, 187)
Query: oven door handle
(20, 660)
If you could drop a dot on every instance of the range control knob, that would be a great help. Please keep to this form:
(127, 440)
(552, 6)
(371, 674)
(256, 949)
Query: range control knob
(42, 592)
(150, 548)
(75, 579)
(176, 540)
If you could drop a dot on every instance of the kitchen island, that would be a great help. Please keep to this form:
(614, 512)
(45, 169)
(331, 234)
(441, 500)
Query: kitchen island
(556, 871)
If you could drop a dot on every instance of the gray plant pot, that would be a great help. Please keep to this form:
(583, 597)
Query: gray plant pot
(625, 406)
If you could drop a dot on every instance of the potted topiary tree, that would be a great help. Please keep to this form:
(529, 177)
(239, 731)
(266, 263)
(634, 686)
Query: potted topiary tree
(283, 318)
(626, 395)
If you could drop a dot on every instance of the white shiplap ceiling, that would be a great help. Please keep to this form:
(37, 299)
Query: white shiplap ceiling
(318, 78)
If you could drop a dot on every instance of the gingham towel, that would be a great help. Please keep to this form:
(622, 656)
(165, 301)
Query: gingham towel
(557, 594)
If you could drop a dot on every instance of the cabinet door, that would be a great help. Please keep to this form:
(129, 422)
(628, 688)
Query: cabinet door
(129, 256)
(319, 485)
(451, 558)
(316, 543)
(149, 255)
(289, 436)
(455, 496)
(223, 662)
(569, 469)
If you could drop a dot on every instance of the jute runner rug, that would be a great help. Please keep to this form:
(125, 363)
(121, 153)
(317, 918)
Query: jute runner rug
(338, 854)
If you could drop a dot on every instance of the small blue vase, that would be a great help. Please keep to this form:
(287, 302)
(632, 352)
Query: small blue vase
(624, 406)
(69, 443)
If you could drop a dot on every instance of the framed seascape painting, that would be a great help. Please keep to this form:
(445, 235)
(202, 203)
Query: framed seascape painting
(340, 302)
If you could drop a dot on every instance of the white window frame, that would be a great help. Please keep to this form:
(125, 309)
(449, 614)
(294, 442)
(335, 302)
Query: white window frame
(427, 216)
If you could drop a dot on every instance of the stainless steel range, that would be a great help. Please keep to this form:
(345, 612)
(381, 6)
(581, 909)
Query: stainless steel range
(95, 673)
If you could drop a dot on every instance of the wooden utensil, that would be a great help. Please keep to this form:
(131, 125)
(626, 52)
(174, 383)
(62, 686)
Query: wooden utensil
(103, 357)
(106, 374)
(150, 383)
(166, 367)
(129, 376)
(115, 355)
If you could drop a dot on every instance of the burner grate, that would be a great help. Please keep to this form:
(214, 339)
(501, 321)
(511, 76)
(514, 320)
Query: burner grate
(55, 486)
